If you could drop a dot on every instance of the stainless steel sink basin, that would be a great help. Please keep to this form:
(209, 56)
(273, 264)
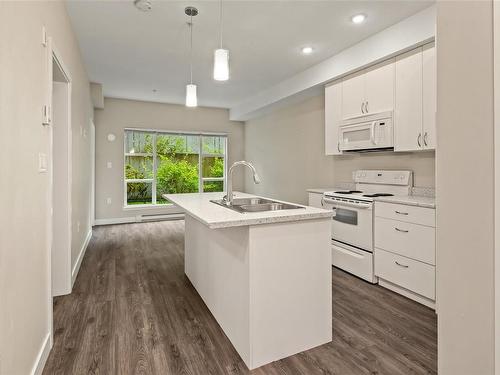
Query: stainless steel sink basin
(256, 204)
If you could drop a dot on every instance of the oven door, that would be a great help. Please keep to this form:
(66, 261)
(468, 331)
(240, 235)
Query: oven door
(352, 223)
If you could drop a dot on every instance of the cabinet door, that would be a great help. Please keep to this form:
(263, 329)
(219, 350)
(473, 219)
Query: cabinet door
(353, 95)
(379, 87)
(429, 95)
(408, 104)
(333, 116)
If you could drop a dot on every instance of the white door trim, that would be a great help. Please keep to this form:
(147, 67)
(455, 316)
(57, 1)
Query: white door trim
(92, 174)
(496, 95)
(54, 55)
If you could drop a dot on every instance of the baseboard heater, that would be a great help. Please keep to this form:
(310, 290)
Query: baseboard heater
(159, 217)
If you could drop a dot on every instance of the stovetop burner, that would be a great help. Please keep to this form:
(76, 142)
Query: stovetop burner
(348, 192)
(378, 195)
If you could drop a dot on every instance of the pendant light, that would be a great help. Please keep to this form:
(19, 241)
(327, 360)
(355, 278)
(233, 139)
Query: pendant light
(221, 56)
(191, 96)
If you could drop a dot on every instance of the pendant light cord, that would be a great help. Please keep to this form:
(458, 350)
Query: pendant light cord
(191, 49)
(220, 19)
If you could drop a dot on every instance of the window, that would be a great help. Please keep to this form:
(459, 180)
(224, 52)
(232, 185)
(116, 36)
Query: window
(158, 163)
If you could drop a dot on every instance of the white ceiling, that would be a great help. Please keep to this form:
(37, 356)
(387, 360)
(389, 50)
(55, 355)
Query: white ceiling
(133, 53)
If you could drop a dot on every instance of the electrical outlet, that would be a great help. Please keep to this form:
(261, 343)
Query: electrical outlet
(109, 165)
(108, 200)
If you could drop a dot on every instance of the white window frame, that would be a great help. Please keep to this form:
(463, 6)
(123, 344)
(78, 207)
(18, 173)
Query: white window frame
(201, 155)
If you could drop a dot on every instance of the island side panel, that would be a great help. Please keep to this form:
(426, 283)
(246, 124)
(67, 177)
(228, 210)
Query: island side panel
(216, 262)
(290, 288)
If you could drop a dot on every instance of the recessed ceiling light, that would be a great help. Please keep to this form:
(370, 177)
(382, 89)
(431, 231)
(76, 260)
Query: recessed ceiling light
(143, 5)
(307, 50)
(358, 18)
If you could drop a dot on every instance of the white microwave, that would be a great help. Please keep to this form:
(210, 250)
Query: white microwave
(367, 133)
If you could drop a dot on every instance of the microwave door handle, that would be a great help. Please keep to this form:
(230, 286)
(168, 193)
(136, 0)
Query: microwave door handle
(372, 133)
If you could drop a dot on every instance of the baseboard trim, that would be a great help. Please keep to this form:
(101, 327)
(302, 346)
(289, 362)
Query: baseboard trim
(76, 268)
(42, 356)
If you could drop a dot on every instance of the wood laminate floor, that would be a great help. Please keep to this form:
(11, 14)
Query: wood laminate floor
(133, 311)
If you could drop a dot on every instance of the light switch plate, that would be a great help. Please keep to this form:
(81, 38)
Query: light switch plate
(44, 36)
(42, 162)
(109, 165)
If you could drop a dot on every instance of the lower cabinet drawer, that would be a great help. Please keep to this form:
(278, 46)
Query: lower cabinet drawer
(410, 240)
(408, 273)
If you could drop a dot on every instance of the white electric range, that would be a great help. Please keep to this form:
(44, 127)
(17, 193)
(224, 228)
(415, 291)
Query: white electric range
(352, 223)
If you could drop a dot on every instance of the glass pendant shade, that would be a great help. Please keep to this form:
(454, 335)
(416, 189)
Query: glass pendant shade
(191, 98)
(221, 64)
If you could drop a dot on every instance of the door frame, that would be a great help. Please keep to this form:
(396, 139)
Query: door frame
(496, 96)
(53, 55)
(92, 173)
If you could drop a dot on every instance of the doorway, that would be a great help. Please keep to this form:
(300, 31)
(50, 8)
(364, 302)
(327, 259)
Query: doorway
(60, 158)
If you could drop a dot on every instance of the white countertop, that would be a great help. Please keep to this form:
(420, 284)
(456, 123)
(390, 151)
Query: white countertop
(214, 216)
(320, 190)
(409, 200)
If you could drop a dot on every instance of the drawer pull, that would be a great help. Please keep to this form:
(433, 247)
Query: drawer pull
(401, 213)
(401, 265)
(401, 230)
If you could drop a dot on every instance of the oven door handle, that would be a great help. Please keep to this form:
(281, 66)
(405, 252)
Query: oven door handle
(347, 204)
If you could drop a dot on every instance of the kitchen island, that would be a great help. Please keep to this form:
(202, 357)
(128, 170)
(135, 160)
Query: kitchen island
(265, 276)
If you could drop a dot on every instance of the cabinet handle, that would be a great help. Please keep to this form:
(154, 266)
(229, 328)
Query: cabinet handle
(322, 202)
(366, 107)
(425, 139)
(401, 213)
(362, 107)
(419, 139)
(338, 146)
(401, 230)
(401, 265)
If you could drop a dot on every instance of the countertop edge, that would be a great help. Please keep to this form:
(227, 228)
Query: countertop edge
(320, 190)
(407, 201)
(267, 220)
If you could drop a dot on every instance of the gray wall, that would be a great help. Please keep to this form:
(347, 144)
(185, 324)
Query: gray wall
(119, 114)
(464, 160)
(25, 295)
(287, 147)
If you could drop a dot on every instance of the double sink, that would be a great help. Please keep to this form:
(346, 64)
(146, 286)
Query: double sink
(244, 205)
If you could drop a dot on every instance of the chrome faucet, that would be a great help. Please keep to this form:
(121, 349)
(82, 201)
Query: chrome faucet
(256, 179)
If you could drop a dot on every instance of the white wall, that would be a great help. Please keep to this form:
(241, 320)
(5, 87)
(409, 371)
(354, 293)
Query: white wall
(24, 254)
(288, 149)
(119, 114)
(464, 163)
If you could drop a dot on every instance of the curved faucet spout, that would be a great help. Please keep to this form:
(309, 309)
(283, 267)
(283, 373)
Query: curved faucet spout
(256, 179)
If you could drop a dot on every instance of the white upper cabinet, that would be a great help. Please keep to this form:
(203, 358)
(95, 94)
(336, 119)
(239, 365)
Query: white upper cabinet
(353, 95)
(408, 105)
(379, 87)
(369, 91)
(333, 116)
(429, 95)
(405, 85)
(415, 101)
